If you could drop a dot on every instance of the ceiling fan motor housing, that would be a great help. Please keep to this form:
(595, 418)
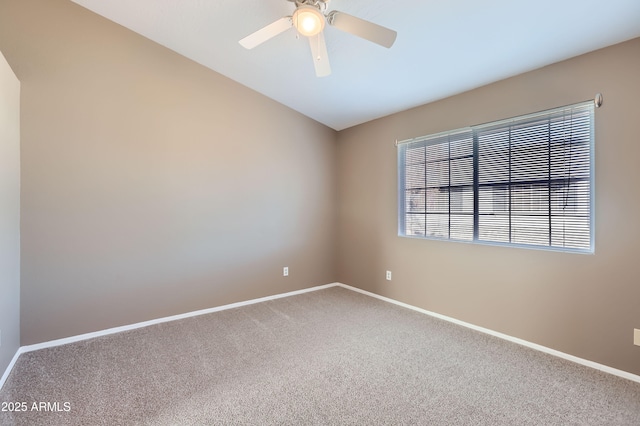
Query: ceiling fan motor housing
(320, 4)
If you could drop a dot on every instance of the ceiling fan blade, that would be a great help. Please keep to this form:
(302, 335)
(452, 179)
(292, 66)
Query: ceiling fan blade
(266, 33)
(320, 55)
(361, 28)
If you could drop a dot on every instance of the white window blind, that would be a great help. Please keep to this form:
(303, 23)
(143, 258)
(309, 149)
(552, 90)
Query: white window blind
(525, 181)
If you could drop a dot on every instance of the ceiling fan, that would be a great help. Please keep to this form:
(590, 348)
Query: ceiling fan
(309, 19)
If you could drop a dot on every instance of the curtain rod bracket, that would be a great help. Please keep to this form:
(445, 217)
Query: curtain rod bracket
(598, 100)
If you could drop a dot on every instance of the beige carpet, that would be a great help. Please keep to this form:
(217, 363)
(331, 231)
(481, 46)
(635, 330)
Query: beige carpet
(327, 357)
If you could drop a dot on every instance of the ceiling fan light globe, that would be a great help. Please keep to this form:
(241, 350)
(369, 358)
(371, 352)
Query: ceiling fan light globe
(308, 20)
(309, 24)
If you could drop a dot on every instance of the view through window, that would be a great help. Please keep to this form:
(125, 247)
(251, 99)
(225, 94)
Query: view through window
(524, 181)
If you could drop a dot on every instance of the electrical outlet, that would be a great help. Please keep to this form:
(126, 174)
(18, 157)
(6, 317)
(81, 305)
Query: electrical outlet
(285, 271)
(388, 275)
(636, 337)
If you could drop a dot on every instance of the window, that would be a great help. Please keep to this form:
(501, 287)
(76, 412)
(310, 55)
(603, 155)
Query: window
(525, 181)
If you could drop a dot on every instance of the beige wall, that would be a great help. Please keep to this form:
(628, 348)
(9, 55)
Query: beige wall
(9, 214)
(151, 185)
(584, 305)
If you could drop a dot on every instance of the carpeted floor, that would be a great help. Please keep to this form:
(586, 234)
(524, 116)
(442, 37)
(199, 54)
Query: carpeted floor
(327, 357)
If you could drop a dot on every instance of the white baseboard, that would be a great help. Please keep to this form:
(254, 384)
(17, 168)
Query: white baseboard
(72, 339)
(80, 337)
(9, 368)
(582, 361)
(114, 330)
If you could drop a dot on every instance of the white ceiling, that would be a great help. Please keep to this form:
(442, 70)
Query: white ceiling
(443, 47)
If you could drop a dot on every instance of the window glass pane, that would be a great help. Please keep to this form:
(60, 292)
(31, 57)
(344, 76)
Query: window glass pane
(438, 174)
(438, 225)
(437, 200)
(493, 157)
(414, 176)
(415, 224)
(494, 228)
(461, 227)
(415, 201)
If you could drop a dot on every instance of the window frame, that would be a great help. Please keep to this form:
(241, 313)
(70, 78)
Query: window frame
(587, 108)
